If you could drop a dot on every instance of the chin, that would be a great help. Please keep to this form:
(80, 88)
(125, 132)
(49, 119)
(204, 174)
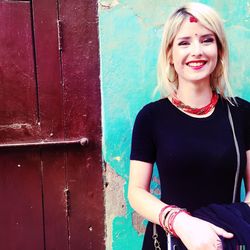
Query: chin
(199, 77)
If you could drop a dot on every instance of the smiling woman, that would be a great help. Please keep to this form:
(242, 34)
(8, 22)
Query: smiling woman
(194, 58)
(190, 135)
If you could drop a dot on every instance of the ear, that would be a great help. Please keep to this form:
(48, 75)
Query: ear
(169, 55)
(171, 62)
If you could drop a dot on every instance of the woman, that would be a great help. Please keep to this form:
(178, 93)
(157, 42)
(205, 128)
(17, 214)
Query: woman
(188, 134)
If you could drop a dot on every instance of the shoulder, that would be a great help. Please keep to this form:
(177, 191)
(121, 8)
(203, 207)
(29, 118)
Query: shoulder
(242, 106)
(151, 112)
(242, 103)
(153, 108)
(241, 109)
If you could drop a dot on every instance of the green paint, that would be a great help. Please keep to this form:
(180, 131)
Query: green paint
(130, 34)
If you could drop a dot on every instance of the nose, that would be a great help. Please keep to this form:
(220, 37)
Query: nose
(196, 49)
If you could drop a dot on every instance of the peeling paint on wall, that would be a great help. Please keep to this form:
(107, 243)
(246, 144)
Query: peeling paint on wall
(138, 223)
(106, 5)
(115, 204)
(16, 126)
(155, 185)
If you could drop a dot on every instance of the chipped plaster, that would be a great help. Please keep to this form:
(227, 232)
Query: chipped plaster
(115, 204)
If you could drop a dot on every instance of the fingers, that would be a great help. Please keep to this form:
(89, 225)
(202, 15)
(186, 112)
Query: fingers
(221, 232)
(218, 245)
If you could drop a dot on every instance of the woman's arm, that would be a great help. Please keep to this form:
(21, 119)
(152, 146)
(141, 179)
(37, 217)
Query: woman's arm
(140, 198)
(247, 178)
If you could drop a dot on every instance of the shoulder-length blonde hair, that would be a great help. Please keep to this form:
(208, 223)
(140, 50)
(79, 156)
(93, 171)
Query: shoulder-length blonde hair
(167, 76)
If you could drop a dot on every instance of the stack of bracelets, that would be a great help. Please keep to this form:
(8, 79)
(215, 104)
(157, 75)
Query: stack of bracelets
(167, 217)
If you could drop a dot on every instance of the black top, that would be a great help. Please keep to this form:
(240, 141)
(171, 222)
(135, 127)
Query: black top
(196, 157)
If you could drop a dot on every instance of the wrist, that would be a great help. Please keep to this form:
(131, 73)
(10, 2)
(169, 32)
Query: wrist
(163, 215)
(181, 221)
(167, 217)
(172, 220)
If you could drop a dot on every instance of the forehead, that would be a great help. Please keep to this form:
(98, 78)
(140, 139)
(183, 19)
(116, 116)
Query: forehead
(189, 29)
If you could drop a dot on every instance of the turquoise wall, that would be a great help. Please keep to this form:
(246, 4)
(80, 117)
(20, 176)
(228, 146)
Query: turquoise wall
(130, 33)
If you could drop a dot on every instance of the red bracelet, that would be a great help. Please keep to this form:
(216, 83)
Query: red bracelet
(161, 214)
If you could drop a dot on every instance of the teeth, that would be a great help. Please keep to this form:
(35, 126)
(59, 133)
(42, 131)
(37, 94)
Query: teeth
(196, 64)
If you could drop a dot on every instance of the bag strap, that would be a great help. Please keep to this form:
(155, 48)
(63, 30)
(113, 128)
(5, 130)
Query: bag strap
(155, 235)
(155, 238)
(237, 152)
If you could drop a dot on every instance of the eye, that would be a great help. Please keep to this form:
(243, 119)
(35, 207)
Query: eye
(183, 43)
(208, 40)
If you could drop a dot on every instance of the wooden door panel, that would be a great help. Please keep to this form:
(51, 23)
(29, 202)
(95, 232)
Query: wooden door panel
(80, 68)
(20, 169)
(55, 202)
(48, 69)
(86, 221)
(18, 97)
(82, 117)
(47, 94)
(36, 115)
(21, 200)
(51, 102)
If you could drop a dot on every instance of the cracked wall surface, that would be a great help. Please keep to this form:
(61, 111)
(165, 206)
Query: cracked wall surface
(130, 33)
(115, 204)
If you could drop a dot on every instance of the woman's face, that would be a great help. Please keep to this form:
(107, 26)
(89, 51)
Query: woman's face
(194, 52)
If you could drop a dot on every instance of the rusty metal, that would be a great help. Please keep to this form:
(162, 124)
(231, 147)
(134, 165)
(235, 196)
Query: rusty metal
(82, 141)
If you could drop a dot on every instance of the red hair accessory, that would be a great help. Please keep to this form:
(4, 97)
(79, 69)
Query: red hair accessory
(193, 19)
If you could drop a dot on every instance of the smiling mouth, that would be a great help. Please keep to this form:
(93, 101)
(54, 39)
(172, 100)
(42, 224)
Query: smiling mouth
(196, 64)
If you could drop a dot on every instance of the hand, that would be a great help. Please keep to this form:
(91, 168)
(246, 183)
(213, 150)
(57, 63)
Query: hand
(197, 234)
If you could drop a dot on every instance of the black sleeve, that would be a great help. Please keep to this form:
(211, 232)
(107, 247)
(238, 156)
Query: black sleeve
(247, 117)
(245, 107)
(143, 147)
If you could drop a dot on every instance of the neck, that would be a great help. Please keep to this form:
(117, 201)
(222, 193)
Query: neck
(194, 95)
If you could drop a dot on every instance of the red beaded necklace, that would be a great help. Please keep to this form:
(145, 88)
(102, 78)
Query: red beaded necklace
(196, 111)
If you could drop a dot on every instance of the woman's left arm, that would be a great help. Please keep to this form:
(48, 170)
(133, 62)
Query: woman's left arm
(247, 178)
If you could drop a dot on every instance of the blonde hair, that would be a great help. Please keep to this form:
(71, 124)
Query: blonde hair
(167, 76)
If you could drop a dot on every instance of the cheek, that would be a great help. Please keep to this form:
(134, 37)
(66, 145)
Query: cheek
(214, 60)
(213, 53)
(214, 56)
(179, 57)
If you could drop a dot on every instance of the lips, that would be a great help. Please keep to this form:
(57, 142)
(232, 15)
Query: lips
(196, 64)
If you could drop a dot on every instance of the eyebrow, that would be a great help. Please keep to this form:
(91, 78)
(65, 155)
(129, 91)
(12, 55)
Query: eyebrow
(188, 37)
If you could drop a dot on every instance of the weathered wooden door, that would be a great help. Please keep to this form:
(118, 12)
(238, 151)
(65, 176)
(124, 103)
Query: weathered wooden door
(51, 192)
